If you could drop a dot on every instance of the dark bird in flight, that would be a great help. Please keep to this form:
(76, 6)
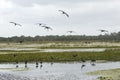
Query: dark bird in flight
(40, 24)
(63, 12)
(16, 24)
(103, 30)
(47, 28)
(70, 31)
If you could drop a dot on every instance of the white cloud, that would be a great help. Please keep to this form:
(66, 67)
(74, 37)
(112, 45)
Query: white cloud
(5, 4)
(85, 16)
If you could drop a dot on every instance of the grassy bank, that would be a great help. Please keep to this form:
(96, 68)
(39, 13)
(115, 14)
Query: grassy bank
(32, 51)
(113, 74)
(21, 56)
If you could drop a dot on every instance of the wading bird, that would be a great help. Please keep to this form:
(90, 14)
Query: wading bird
(82, 66)
(47, 28)
(93, 62)
(25, 64)
(41, 66)
(16, 24)
(16, 64)
(63, 12)
(41, 62)
(37, 64)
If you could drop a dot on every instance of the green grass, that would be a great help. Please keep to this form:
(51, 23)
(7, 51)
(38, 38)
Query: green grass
(112, 74)
(109, 55)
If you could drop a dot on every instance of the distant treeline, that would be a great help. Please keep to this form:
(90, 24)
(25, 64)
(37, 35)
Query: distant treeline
(105, 37)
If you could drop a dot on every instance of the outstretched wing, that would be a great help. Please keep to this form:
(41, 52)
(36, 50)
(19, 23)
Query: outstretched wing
(49, 28)
(70, 31)
(19, 24)
(63, 12)
(103, 30)
(46, 27)
(16, 24)
(66, 14)
(13, 22)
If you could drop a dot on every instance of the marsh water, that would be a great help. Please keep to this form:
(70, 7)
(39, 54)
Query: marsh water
(58, 50)
(53, 71)
(76, 50)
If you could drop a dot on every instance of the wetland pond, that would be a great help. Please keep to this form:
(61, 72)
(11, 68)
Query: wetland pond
(58, 50)
(76, 50)
(53, 71)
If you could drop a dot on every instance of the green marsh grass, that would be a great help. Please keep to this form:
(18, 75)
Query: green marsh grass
(109, 55)
(112, 74)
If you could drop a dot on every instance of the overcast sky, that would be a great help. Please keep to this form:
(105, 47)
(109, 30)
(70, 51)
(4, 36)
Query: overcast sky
(86, 17)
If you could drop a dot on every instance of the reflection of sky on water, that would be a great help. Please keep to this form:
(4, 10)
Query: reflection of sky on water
(76, 50)
(58, 50)
(58, 71)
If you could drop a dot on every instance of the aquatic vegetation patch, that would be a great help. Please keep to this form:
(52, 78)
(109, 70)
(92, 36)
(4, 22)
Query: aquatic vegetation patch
(113, 74)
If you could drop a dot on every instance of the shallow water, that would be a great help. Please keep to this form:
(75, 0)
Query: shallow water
(76, 50)
(53, 71)
(58, 50)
